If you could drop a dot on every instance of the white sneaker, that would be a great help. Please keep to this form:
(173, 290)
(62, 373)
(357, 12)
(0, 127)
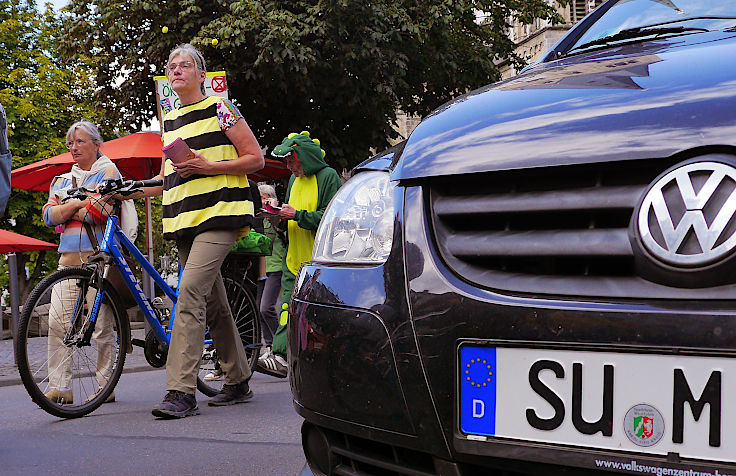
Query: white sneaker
(216, 375)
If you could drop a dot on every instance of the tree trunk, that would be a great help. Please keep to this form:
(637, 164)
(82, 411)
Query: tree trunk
(24, 283)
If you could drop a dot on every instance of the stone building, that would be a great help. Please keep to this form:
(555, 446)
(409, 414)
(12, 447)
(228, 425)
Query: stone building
(405, 123)
(532, 41)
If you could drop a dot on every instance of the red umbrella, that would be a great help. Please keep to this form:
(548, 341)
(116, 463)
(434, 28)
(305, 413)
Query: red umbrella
(137, 156)
(15, 243)
(273, 170)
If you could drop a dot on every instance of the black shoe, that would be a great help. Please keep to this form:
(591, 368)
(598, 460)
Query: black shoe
(176, 404)
(232, 394)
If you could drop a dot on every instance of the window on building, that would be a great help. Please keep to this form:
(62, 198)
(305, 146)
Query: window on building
(580, 8)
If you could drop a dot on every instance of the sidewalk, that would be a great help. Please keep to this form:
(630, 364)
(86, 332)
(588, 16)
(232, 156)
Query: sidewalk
(135, 362)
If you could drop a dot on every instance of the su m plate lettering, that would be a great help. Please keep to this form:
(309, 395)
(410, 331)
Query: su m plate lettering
(649, 403)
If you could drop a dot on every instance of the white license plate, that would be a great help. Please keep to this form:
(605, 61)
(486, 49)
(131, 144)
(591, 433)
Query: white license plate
(650, 403)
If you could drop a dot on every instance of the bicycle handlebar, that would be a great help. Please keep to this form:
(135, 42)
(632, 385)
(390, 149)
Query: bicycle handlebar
(109, 187)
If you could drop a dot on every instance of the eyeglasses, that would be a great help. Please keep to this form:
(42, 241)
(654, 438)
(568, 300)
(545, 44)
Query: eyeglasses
(184, 65)
(78, 143)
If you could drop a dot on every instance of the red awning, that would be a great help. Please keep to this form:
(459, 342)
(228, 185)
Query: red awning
(137, 156)
(273, 170)
(15, 243)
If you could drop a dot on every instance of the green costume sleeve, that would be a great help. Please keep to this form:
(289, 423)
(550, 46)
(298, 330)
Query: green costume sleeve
(328, 182)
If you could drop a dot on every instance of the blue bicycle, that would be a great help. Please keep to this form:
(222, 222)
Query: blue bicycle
(74, 330)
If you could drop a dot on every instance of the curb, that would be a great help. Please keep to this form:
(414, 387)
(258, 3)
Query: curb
(140, 366)
(10, 380)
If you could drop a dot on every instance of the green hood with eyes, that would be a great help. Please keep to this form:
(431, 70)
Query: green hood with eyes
(307, 150)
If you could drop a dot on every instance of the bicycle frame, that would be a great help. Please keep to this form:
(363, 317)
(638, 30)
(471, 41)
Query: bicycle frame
(114, 236)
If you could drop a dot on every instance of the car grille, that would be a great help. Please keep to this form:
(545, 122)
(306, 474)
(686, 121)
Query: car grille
(550, 231)
(360, 457)
(354, 456)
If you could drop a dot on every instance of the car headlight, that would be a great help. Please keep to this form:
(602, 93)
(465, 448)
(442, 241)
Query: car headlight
(358, 225)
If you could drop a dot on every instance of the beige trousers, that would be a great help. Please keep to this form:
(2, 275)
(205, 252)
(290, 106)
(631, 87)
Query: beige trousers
(63, 299)
(202, 300)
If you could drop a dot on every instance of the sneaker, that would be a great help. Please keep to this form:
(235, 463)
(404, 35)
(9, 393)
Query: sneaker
(214, 375)
(232, 394)
(109, 399)
(265, 355)
(60, 396)
(176, 404)
(270, 365)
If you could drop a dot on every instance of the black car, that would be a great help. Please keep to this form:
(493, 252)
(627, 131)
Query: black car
(541, 279)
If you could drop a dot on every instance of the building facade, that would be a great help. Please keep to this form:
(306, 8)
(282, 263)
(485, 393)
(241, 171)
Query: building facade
(532, 41)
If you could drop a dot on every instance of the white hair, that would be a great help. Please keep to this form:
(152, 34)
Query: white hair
(267, 190)
(191, 51)
(87, 127)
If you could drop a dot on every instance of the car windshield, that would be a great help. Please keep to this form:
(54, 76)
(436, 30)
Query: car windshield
(628, 14)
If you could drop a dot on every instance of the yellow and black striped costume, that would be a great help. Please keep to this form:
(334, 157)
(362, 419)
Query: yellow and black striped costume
(202, 202)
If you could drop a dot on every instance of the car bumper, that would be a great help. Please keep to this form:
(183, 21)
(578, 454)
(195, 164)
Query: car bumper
(373, 354)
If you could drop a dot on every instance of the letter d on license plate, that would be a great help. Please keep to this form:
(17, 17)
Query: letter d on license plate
(478, 375)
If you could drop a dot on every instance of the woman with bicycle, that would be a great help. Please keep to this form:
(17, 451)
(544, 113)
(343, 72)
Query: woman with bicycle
(206, 208)
(77, 220)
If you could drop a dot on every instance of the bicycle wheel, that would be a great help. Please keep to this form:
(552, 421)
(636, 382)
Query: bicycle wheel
(247, 320)
(68, 367)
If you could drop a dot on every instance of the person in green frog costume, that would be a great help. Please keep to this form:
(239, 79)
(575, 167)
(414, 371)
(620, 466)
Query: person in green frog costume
(311, 187)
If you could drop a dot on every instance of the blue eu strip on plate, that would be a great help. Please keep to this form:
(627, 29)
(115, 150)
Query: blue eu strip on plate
(477, 374)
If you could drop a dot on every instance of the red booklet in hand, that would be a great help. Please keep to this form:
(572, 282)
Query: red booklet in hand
(271, 209)
(177, 151)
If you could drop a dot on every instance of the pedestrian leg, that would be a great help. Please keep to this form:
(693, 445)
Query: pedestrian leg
(63, 300)
(279, 338)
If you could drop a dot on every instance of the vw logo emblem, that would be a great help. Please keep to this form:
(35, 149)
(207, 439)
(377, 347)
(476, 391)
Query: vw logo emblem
(685, 218)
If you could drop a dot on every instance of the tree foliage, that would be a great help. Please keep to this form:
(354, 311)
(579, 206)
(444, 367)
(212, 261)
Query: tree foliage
(42, 95)
(339, 68)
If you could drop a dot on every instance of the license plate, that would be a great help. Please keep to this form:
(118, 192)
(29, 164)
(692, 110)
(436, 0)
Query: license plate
(649, 403)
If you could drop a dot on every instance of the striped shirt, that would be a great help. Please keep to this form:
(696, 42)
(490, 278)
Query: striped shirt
(74, 238)
(204, 202)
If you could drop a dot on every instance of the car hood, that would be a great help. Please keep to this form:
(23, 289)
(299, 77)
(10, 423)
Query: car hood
(649, 99)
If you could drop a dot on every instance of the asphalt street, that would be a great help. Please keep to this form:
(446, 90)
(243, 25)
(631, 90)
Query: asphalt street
(260, 437)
